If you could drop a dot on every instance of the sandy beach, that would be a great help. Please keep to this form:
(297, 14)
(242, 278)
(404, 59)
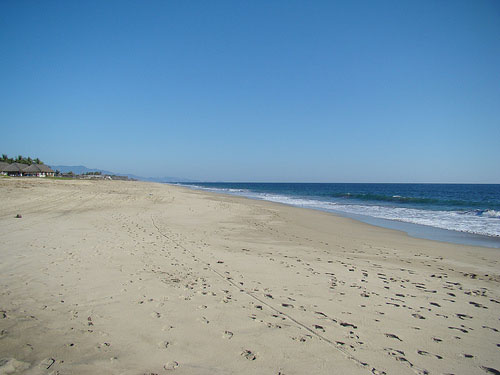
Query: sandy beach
(113, 277)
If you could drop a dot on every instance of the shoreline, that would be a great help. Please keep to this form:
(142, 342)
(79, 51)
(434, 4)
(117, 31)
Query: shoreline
(412, 229)
(369, 223)
(135, 277)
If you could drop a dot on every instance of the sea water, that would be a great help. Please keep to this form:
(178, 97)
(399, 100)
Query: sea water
(460, 213)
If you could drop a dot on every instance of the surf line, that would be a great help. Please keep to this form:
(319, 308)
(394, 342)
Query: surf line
(251, 295)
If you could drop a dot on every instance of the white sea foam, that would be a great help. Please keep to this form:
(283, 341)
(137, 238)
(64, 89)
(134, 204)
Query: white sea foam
(476, 222)
(487, 223)
(491, 213)
(215, 190)
(451, 220)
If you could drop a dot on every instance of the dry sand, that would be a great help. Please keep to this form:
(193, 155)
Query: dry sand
(111, 277)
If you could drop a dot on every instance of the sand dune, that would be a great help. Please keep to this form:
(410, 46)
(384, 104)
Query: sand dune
(113, 277)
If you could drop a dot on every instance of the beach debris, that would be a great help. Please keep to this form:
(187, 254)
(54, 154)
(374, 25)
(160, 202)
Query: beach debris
(19, 216)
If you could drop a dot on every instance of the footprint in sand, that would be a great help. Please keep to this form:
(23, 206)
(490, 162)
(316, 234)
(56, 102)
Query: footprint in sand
(249, 355)
(475, 304)
(392, 336)
(493, 329)
(423, 352)
(399, 356)
(459, 329)
(164, 344)
(490, 370)
(171, 365)
(302, 338)
(318, 327)
(47, 363)
(418, 316)
(101, 346)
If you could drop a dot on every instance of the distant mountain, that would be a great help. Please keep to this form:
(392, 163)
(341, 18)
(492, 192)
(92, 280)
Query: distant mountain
(81, 169)
(160, 179)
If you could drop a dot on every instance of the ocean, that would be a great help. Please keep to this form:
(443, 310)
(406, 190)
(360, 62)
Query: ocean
(460, 213)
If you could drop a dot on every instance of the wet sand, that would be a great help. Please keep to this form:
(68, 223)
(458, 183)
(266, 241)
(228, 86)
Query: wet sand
(114, 277)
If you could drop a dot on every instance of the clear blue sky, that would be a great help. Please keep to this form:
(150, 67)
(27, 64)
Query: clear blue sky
(351, 91)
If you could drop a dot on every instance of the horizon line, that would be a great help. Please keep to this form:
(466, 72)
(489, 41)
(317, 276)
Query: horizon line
(313, 182)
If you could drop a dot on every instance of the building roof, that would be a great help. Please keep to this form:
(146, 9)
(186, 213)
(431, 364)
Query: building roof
(38, 168)
(33, 168)
(15, 167)
(3, 165)
(44, 168)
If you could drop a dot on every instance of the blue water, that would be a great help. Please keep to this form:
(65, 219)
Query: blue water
(462, 213)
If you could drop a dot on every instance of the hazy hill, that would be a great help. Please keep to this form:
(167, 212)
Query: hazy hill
(81, 169)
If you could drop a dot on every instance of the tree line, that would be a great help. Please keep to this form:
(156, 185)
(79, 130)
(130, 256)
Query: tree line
(20, 159)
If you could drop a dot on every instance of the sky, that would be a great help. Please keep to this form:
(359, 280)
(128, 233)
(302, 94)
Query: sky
(271, 91)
